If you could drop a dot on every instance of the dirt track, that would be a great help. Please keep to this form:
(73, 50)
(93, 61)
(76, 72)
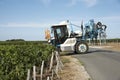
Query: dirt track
(113, 46)
(73, 70)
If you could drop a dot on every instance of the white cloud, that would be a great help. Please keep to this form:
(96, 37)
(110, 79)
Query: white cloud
(88, 3)
(110, 19)
(46, 2)
(24, 25)
(72, 2)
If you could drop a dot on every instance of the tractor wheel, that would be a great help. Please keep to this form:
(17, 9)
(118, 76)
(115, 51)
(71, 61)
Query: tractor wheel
(81, 47)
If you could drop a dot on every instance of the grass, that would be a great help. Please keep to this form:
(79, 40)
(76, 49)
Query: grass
(81, 63)
(65, 60)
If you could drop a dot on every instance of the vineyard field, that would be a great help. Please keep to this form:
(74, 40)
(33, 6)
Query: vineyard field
(17, 57)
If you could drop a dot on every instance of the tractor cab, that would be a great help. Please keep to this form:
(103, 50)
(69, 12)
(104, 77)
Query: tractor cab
(59, 34)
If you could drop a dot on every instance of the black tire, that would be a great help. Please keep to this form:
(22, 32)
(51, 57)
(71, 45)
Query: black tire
(81, 48)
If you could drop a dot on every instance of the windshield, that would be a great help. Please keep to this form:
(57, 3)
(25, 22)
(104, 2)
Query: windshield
(60, 33)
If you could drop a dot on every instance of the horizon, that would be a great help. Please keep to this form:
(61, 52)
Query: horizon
(46, 40)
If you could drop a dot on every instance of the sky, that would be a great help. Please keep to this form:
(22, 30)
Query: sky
(28, 19)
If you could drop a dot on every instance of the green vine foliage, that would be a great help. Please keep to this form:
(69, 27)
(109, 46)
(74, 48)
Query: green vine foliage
(15, 60)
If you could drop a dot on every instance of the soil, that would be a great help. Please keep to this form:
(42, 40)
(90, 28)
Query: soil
(73, 70)
(113, 46)
(109, 46)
